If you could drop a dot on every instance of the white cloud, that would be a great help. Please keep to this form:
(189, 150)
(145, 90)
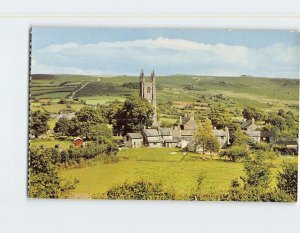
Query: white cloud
(167, 56)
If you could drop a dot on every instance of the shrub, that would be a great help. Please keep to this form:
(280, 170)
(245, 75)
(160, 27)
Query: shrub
(287, 179)
(140, 190)
(238, 152)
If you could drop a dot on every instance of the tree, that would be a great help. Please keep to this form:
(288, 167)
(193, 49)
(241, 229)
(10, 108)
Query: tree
(101, 134)
(62, 126)
(135, 114)
(287, 179)
(258, 174)
(85, 118)
(38, 123)
(44, 181)
(205, 138)
(250, 112)
(220, 116)
(240, 138)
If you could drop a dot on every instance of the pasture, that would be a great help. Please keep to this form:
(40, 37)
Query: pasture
(166, 165)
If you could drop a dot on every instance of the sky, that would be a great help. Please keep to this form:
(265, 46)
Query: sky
(116, 51)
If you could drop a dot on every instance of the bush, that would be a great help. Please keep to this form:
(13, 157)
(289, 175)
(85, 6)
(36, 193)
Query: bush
(140, 190)
(238, 152)
(287, 179)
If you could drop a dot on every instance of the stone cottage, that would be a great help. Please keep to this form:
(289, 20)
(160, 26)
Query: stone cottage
(133, 140)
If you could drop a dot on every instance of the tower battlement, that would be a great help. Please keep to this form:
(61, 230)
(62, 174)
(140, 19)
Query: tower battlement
(148, 92)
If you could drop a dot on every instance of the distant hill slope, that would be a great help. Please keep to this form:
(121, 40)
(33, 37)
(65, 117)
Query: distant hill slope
(273, 88)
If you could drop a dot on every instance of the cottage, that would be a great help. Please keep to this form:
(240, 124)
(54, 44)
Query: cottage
(249, 125)
(268, 136)
(151, 138)
(78, 141)
(166, 137)
(253, 135)
(188, 123)
(222, 136)
(133, 140)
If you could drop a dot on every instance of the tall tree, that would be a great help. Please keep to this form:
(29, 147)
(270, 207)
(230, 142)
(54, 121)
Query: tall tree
(135, 114)
(240, 138)
(62, 126)
(38, 123)
(204, 137)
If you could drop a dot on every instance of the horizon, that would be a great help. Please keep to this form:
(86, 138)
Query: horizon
(202, 52)
(169, 75)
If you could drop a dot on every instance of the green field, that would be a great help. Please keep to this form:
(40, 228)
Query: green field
(50, 143)
(166, 165)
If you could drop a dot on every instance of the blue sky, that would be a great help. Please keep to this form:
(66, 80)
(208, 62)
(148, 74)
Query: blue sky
(168, 51)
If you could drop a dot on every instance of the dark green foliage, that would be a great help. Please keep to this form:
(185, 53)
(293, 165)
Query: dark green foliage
(284, 124)
(220, 116)
(258, 174)
(250, 112)
(101, 134)
(240, 138)
(102, 88)
(287, 179)
(140, 190)
(38, 123)
(236, 153)
(132, 85)
(135, 114)
(62, 126)
(44, 181)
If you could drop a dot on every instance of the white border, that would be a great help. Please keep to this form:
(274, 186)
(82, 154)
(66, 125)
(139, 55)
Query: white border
(18, 214)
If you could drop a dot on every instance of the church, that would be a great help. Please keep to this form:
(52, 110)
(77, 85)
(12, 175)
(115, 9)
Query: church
(177, 136)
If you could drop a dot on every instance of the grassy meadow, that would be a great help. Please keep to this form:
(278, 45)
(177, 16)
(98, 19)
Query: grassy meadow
(167, 165)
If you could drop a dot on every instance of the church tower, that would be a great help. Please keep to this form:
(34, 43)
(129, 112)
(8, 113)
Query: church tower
(148, 91)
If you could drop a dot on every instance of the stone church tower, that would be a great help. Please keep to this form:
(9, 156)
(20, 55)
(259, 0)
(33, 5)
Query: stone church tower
(148, 91)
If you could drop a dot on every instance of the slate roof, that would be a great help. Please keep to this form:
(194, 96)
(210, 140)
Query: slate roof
(151, 132)
(184, 120)
(135, 135)
(187, 132)
(165, 131)
(266, 134)
(219, 133)
(253, 133)
(245, 124)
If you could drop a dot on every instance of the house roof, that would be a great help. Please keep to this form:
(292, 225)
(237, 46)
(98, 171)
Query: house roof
(154, 141)
(165, 131)
(219, 133)
(175, 140)
(267, 134)
(184, 120)
(287, 142)
(187, 132)
(253, 133)
(135, 135)
(245, 124)
(151, 132)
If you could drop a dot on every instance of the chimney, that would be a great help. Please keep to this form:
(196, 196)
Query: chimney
(244, 119)
(253, 120)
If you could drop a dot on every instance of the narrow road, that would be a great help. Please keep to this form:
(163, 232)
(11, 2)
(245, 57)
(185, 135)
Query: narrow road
(74, 92)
